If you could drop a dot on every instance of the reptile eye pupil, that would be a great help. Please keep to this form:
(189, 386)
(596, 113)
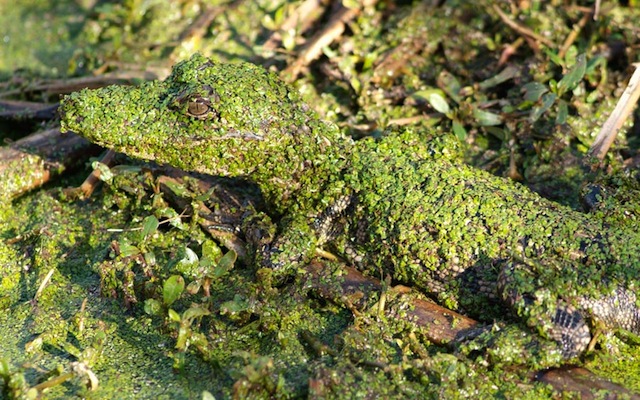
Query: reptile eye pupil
(197, 109)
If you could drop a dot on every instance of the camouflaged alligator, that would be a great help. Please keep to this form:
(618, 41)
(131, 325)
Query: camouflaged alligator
(404, 205)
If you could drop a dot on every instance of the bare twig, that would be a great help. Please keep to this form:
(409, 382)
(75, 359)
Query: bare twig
(584, 382)
(443, 324)
(44, 283)
(332, 31)
(89, 185)
(509, 50)
(302, 18)
(524, 31)
(617, 118)
(199, 27)
(577, 28)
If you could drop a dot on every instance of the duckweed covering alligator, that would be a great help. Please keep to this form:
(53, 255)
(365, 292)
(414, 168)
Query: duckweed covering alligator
(404, 205)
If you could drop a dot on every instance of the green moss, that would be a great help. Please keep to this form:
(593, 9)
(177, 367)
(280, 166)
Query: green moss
(249, 343)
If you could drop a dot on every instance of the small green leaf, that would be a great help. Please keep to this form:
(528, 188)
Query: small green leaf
(574, 76)
(563, 112)
(173, 315)
(105, 172)
(172, 289)
(459, 130)
(435, 98)
(537, 111)
(225, 264)
(279, 16)
(534, 90)
(206, 195)
(152, 307)
(171, 215)
(157, 201)
(595, 62)
(486, 118)
(193, 313)
(503, 76)
(553, 56)
(269, 23)
(235, 306)
(330, 53)
(150, 258)
(355, 83)
(186, 262)
(193, 287)
(369, 61)
(177, 189)
(128, 250)
(439, 103)
(450, 84)
(206, 395)
(4, 367)
(184, 332)
(206, 264)
(149, 225)
(593, 96)
(497, 132)
(289, 39)
(570, 56)
(352, 4)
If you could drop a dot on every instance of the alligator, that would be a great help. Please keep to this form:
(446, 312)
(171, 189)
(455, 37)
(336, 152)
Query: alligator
(404, 205)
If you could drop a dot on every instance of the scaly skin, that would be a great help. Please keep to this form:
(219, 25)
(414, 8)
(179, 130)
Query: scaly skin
(402, 205)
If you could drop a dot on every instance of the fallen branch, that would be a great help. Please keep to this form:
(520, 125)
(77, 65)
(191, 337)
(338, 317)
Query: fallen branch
(65, 86)
(36, 159)
(573, 35)
(26, 110)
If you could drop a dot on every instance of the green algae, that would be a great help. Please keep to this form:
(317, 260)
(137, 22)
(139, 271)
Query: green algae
(54, 327)
(20, 175)
(38, 36)
(361, 380)
(620, 365)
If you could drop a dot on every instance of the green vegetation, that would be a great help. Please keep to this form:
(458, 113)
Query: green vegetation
(126, 289)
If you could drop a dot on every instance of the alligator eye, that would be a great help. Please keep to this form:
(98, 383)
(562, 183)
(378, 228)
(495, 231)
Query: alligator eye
(197, 109)
(201, 108)
(197, 102)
